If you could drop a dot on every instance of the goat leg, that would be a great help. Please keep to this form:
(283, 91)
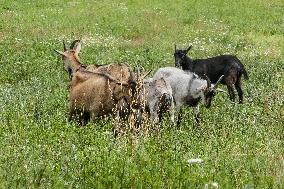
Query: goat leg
(179, 118)
(117, 126)
(172, 113)
(115, 131)
(231, 93)
(240, 92)
(196, 115)
(154, 114)
(80, 117)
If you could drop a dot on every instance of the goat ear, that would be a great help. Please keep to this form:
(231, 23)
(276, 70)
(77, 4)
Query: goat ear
(77, 48)
(188, 49)
(74, 43)
(59, 52)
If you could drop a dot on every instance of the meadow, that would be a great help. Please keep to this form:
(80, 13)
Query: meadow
(242, 146)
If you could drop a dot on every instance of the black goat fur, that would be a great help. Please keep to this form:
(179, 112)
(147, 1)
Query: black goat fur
(228, 65)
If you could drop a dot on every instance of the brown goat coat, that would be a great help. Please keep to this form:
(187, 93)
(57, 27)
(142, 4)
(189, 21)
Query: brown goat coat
(121, 72)
(95, 94)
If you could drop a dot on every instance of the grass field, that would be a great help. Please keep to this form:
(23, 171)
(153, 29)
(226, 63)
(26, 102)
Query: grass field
(242, 145)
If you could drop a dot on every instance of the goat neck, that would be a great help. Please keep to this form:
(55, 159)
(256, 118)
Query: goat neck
(187, 63)
(72, 64)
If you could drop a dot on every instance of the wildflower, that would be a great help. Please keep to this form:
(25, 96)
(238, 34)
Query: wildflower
(214, 184)
(195, 161)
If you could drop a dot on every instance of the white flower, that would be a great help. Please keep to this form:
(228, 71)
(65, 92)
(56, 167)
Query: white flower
(195, 161)
(214, 184)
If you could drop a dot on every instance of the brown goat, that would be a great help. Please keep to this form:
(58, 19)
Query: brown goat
(93, 95)
(83, 82)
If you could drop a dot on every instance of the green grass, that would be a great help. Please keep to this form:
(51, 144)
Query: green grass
(242, 145)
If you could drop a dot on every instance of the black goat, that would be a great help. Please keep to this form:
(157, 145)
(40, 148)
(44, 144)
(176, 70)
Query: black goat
(228, 65)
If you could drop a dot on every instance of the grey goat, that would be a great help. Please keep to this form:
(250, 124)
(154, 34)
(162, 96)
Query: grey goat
(188, 89)
(159, 98)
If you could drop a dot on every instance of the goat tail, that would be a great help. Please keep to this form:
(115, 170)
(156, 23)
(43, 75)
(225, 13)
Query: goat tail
(244, 72)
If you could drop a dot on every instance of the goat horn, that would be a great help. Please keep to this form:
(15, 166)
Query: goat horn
(208, 81)
(64, 46)
(59, 52)
(219, 80)
(176, 47)
(188, 49)
(74, 43)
